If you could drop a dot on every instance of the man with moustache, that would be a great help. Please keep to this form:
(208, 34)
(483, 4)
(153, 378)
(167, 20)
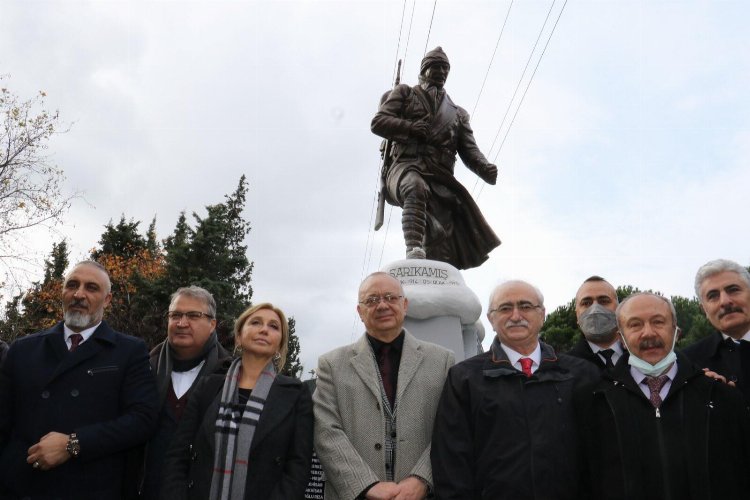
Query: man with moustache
(505, 427)
(657, 428)
(375, 403)
(73, 400)
(596, 301)
(723, 289)
(190, 351)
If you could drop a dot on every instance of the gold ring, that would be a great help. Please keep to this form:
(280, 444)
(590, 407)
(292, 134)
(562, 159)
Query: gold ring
(36, 464)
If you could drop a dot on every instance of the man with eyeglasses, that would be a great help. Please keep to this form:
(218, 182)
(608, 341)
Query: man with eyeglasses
(376, 400)
(190, 351)
(505, 426)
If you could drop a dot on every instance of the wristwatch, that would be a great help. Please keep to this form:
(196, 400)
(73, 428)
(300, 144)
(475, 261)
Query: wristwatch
(73, 447)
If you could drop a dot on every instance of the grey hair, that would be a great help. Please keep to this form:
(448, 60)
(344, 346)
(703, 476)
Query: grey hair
(515, 282)
(95, 264)
(715, 267)
(650, 294)
(196, 292)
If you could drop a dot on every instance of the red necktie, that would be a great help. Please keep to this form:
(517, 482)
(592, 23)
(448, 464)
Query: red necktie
(75, 341)
(526, 366)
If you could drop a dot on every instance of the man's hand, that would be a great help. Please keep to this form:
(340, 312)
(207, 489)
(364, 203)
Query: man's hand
(383, 491)
(490, 174)
(50, 451)
(419, 130)
(411, 488)
(721, 378)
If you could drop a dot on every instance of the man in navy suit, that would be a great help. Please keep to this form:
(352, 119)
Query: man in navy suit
(73, 400)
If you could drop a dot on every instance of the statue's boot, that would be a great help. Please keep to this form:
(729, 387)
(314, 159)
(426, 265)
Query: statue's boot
(414, 224)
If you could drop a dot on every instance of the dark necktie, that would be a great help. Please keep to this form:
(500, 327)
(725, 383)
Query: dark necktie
(526, 366)
(655, 385)
(607, 355)
(384, 363)
(75, 341)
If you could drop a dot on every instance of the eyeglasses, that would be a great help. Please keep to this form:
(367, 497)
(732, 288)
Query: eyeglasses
(374, 300)
(523, 308)
(190, 315)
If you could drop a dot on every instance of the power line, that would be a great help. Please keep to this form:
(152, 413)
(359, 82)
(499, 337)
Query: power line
(531, 79)
(492, 59)
(523, 96)
(520, 80)
(429, 30)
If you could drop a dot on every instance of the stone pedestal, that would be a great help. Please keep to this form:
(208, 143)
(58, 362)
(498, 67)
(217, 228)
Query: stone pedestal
(442, 309)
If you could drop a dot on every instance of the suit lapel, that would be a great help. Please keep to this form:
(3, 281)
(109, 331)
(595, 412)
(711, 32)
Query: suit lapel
(363, 363)
(411, 358)
(86, 350)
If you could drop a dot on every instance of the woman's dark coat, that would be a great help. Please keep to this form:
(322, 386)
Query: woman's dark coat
(280, 453)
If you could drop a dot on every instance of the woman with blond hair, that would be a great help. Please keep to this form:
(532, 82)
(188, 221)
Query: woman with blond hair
(248, 433)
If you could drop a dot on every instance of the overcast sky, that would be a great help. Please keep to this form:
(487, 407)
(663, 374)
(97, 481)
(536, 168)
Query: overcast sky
(628, 157)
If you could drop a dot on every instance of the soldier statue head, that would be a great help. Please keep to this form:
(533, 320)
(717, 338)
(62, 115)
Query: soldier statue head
(434, 68)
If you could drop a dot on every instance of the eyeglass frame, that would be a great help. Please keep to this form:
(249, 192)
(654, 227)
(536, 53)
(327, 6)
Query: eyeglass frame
(523, 307)
(388, 298)
(178, 315)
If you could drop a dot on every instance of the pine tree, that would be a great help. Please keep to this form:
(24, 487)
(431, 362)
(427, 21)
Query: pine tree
(292, 367)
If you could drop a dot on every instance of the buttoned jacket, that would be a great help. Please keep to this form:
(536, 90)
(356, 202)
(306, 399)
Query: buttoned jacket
(350, 421)
(104, 391)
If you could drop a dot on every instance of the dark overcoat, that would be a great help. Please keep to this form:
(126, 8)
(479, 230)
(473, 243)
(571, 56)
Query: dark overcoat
(694, 447)
(104, 391)
(725, 357)
(280, 452)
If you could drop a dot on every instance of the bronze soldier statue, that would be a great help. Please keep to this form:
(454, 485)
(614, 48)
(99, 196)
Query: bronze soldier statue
(440, 219)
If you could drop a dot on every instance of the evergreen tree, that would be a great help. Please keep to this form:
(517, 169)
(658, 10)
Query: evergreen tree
(293, 367)
(40, 306)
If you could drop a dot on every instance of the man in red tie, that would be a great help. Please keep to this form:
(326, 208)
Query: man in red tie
(73, 400)
(657, 428)
(505, 425)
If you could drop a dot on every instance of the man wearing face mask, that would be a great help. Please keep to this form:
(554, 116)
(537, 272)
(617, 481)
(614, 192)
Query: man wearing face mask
(657, 428)
(596, 301)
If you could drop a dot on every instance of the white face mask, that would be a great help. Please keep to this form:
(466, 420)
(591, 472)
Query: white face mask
(647, 368)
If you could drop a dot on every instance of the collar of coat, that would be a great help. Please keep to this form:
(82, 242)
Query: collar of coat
(498, 365)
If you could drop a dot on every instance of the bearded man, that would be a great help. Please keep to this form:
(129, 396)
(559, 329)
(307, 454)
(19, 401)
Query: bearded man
(74, 400)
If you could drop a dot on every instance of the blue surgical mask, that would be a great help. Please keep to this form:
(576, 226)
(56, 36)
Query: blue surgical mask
(647, 368)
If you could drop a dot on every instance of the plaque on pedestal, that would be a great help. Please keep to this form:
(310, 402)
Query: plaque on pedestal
(442, 309)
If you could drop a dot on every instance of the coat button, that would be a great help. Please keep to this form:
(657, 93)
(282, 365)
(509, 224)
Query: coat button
(74, 393)
(378, 446)
(45, 394)
(190, 484)
(393, 434)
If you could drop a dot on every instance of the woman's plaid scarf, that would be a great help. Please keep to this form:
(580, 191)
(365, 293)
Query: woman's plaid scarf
(235, 427)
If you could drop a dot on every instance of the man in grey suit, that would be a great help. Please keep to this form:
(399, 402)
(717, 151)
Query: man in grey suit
(375, 403)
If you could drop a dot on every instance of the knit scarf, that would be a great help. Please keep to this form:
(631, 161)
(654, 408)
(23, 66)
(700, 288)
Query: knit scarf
(235, 427)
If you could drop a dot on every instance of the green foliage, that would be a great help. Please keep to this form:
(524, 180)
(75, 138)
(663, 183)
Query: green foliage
(293, 367)
(122, 239)
(560, 329)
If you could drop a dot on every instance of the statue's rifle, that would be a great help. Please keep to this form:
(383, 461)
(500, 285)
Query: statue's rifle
(385, 165)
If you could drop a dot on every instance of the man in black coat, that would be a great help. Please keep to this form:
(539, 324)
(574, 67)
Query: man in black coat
(657, 428)
(74, 400)
(723, 288)
(505, 426)
(596, 301)
(190, 352)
